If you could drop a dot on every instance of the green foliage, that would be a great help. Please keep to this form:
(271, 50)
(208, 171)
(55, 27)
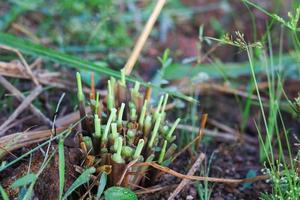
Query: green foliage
(3, 193)
(205, 189)
(72, 61)
(102, 184)
(24, 181)
(217, 69)
(119, 193)
(61, 166)
(82, 179)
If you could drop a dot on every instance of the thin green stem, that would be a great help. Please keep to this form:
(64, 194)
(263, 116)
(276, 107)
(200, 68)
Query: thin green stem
(80, 94)
(162, 152)
(155, 131)
(139, 149)
(106, 130)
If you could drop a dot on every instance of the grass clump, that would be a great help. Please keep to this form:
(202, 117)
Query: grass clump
(124, 128)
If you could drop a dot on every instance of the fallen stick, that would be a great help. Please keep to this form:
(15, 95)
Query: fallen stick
(17, 122)
(15, 141)
(12, 89)
(218, 134)
(23, 61)
(143, 37)
(191, 172)
(230, 181)
(27, 101)
(18, 140)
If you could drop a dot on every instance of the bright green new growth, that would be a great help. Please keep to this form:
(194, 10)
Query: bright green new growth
(147, 124)
(114, 132)
(136, 87)
(117, 157)
(110, 119)
(165, 130)
(131, 135)
(97, 102)
(164, 103)
(162, 152)
(123, 77)
(115, 146)
(80, 94)
(143, 113)
(133, 116)
(139, 149)
(97, 124)
(127, 151)
(120, 114)
(169, 136)
(155, 131)
(125, 134)
(158, 107)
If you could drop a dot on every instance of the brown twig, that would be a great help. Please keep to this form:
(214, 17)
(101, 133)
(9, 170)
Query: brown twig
(230, 181)
(26, 66)
(222, 126)
(201, 130)
(126, 170)
(221, 135)
(21, 139)
(143, 37)
(14, 69)
(17, 122)
(208, 87)
(27, 101)
(191, 172)
(21, 97)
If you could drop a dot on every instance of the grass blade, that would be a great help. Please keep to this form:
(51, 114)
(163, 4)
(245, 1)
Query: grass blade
(30, 48)
(25, 180)
(33, 49)
(102, 184)
(61, 164)
(3, 193)
(82, 179)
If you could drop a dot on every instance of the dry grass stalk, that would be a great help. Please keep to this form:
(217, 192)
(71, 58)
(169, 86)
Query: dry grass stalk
(232, 182)
(21, 139)
(224, 136)
(26, 102)
(7, 85)
(15, 69)
(26, 66)
(201, 130)
(209, 87)
(143, 37)
(191, 172)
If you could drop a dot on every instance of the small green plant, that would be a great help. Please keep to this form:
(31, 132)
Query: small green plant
(285, 181)
(205, 189)
(123, 128)
(119, 193)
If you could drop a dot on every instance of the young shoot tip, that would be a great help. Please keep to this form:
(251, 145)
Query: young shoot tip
(80, 94)
(139, 149)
